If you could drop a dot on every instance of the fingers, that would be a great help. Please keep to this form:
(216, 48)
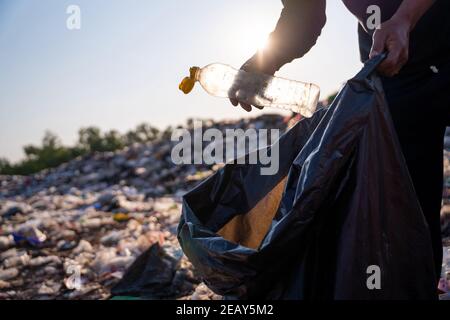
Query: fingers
(397, 52)
(246, 107)
(396, 59)
(243, 105)
(251, 65)
(393, 38)
(234, 102)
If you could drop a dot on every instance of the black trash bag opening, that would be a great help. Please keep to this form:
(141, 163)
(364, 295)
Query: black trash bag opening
(246, 213)
(341, 204)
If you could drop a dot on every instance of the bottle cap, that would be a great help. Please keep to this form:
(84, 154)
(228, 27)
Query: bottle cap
(187, 84)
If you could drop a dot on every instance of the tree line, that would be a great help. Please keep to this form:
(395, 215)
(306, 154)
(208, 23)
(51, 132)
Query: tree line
(51, 153)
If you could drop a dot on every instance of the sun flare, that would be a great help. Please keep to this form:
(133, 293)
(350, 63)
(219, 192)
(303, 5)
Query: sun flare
(253, 38)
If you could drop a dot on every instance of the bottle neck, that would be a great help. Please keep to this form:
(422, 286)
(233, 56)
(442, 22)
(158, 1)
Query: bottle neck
(195, 73)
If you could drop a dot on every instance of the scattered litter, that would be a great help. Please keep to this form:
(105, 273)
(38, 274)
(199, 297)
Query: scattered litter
(74, 232)
(30, 235)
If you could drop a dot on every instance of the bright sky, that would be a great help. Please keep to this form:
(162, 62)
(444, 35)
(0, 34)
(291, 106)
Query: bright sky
(124, 66)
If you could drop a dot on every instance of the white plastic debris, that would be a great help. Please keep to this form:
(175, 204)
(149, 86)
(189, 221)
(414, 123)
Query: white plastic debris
(8, 274)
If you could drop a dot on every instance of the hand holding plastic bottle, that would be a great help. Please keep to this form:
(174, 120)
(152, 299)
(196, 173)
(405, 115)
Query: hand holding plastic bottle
(254, 85)
(259, 64)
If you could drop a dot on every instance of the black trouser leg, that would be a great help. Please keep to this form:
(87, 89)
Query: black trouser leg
(424, 160)
(419, 105)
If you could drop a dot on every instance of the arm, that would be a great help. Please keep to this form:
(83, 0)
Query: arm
(413, 10)
(300, 24)
(296, 32)
(393, 35)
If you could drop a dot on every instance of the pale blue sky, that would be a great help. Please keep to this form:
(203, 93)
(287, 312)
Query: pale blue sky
(124, 65)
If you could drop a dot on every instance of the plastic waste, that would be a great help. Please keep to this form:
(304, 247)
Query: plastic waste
(18, 260)
(49, 288)
(120, 217)
(64, 245)
(202, 292)
(151, 274)
(40, 261)
(254, 88)
(83, 246)
(31, 235)
(112, 237)
(8, 274)
(444, 283)
(6, 242)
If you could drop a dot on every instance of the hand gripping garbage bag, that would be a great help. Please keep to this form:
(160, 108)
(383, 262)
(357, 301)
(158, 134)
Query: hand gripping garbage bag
(339, 220)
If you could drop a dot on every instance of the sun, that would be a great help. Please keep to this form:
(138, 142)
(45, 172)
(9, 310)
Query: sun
(260, 40)
(253, 38)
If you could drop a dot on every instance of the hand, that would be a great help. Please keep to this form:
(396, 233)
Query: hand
(255, 64)
(393, 37)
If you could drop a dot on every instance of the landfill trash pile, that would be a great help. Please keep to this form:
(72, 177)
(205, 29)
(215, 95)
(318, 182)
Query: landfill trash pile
(72, 232)
(444, 284)
(445, 211)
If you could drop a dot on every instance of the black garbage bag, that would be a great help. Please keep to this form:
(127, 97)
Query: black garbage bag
(150, 276)
(340, 212)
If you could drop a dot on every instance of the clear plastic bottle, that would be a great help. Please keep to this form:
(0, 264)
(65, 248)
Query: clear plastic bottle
(254, 88)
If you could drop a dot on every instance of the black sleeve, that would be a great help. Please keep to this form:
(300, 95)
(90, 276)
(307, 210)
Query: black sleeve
(297, 30)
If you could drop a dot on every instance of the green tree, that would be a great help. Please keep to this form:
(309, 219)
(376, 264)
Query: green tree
(112, 141)
(90, 139)
(146, 132)
(167, 133)
(52, 153)
(142, 134)
(331, 98)
(5, 166)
